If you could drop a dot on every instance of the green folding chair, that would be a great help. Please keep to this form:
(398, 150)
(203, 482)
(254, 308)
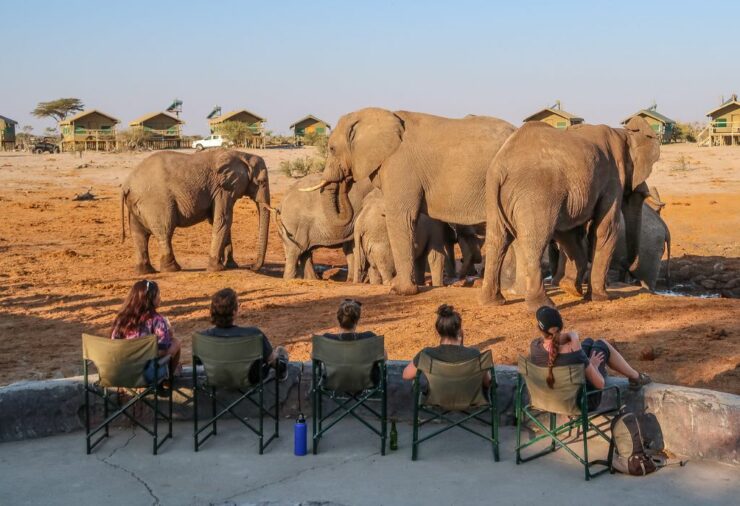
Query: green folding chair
(120, 364)
(455, 395)
(227, 361)
(343, 373)
(569, 397)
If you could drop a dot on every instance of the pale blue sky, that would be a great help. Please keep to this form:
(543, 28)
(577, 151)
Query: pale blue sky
(283, 60)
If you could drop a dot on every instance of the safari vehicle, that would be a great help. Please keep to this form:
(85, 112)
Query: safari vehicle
(44, 146)
(212, 141)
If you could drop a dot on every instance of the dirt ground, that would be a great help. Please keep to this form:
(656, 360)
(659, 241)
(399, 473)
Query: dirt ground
(64, 271)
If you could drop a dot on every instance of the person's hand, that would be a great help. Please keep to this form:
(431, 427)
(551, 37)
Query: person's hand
(597, 358)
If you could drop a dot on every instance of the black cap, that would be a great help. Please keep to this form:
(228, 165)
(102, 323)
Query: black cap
(548, 317)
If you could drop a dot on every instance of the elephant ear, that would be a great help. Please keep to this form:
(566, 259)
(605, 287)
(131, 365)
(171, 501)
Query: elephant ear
(644, 149)
(373, 137)
(229, 171)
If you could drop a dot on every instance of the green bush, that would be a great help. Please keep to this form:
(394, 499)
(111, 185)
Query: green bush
(301, 167)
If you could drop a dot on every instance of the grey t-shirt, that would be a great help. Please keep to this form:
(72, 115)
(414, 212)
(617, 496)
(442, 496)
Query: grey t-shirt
(539, 356)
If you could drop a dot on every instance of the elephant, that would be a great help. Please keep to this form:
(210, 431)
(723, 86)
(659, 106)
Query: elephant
(304, 225)
(422, 163)
(169, 190)
(373, 249)
(549, 183)
(470, 238)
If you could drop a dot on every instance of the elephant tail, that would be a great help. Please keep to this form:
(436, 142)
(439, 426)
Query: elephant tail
(505, 227)
(668, 259)
(124, 194)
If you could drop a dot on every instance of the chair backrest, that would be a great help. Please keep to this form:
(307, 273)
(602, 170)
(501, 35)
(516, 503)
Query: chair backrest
(564, 398)
(455, 385)
(120, 362)
(227, 360)
(348, 365)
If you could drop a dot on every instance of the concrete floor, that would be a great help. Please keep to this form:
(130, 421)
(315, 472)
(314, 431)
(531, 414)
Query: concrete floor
(456, 469)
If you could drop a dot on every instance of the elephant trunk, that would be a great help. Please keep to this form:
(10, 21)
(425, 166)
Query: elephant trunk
(632, 212)
(337, 206)
(264, 219)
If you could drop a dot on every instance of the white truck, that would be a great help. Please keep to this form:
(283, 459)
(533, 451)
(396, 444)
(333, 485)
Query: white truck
(211, 141)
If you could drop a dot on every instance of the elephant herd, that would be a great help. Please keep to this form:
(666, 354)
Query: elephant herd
(400, 189)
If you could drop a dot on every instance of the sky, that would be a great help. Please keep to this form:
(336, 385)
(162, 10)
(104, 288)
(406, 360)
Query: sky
(603, 60)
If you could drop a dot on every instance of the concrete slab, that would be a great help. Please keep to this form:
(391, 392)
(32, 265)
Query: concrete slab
(456, 469)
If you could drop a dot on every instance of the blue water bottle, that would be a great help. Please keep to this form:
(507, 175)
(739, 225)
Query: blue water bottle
(300, 434)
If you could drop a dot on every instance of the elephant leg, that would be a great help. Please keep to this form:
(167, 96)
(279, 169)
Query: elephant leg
(574, 262)
(222, 217)
(606, 232)
(290, 271)
(228, 259)
(420, 269)
(401, 220)
(519, 286)
(374, 276)
(167, 262)
(450, 267)
(436, 260)
(140, 236)
(348, 248)
(554, 261)
(498, 240)
(307, 262)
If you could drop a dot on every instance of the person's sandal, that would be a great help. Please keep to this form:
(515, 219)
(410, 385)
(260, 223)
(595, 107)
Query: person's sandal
(639, 382)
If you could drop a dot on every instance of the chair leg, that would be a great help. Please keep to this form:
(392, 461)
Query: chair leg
(214, 410)
(415, 436)
(553, 418)
(195, 413)
(585, 445)
(262, 416)
(170, 401)
(494, 431)
(155, 402)
(314, 421)
(518, 409)
(384, 417)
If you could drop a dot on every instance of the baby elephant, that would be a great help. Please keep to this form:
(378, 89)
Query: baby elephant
(169, 190)
(373, 248)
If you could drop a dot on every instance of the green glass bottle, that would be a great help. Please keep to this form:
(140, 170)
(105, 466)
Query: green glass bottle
(394, 436)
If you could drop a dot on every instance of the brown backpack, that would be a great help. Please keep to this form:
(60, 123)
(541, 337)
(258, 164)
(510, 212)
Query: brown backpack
(632, 454)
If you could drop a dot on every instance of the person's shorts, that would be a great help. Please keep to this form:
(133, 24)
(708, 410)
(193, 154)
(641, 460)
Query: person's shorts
(589, 346)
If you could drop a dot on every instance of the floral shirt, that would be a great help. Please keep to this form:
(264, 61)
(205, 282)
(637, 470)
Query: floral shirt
(155, 324)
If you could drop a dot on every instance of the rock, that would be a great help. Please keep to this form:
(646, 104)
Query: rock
(709, 284)
(648, 353)
(716, 334)
(332, 273)
(718, 267)
(70, 253)
(732, 283)
(684, 272)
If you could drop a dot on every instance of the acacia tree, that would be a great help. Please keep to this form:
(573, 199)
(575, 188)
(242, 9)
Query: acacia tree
(58, 109)
(235, 131)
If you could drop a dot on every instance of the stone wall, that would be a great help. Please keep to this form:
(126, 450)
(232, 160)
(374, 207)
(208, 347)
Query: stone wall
(695, 423)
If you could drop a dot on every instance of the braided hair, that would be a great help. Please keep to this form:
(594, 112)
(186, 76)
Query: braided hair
(548, 318)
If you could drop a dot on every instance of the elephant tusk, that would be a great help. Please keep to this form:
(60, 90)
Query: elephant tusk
(317, 187)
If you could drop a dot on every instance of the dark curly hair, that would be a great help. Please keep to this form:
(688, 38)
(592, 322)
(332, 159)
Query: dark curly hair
(223, 306)
(449, 322)
(349, 313)
(140, 304)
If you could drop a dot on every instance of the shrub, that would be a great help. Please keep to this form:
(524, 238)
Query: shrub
(301, 167)
(130, 139)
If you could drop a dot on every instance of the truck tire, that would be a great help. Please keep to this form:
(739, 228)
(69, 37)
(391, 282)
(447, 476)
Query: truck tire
(38, 151)
(199, 147)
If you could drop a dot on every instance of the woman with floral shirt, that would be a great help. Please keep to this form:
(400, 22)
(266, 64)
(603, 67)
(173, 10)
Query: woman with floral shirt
(139, 317)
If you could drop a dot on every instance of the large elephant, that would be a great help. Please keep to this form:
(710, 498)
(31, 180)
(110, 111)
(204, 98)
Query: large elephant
(373, 249)
(549, 183)
(304, 224)
(169, 190)
(422, 163)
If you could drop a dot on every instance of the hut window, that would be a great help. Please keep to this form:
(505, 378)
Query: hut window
(561, 124)
(721, 123)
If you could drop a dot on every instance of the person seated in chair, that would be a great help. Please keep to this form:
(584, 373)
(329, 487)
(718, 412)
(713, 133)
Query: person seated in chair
(139, 317)
(451, 348)
(557, 348)
(224, 309)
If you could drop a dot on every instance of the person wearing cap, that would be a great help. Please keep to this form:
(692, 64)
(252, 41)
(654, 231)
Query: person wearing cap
(556, 348)
(224, 309)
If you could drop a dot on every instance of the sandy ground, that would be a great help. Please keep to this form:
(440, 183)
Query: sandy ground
(63, 271)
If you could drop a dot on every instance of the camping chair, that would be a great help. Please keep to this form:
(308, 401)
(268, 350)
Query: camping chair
(343, 372)
(455, 387)
(227, 361)
(120, 364)
(568, 397)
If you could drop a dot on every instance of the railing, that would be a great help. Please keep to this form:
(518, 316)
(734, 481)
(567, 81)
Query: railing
(724, 127)
(169, 132)
(88, 132)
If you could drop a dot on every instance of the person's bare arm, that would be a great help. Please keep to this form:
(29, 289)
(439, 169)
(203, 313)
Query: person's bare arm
(409, 371)
(487, 379)
(592, 370)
